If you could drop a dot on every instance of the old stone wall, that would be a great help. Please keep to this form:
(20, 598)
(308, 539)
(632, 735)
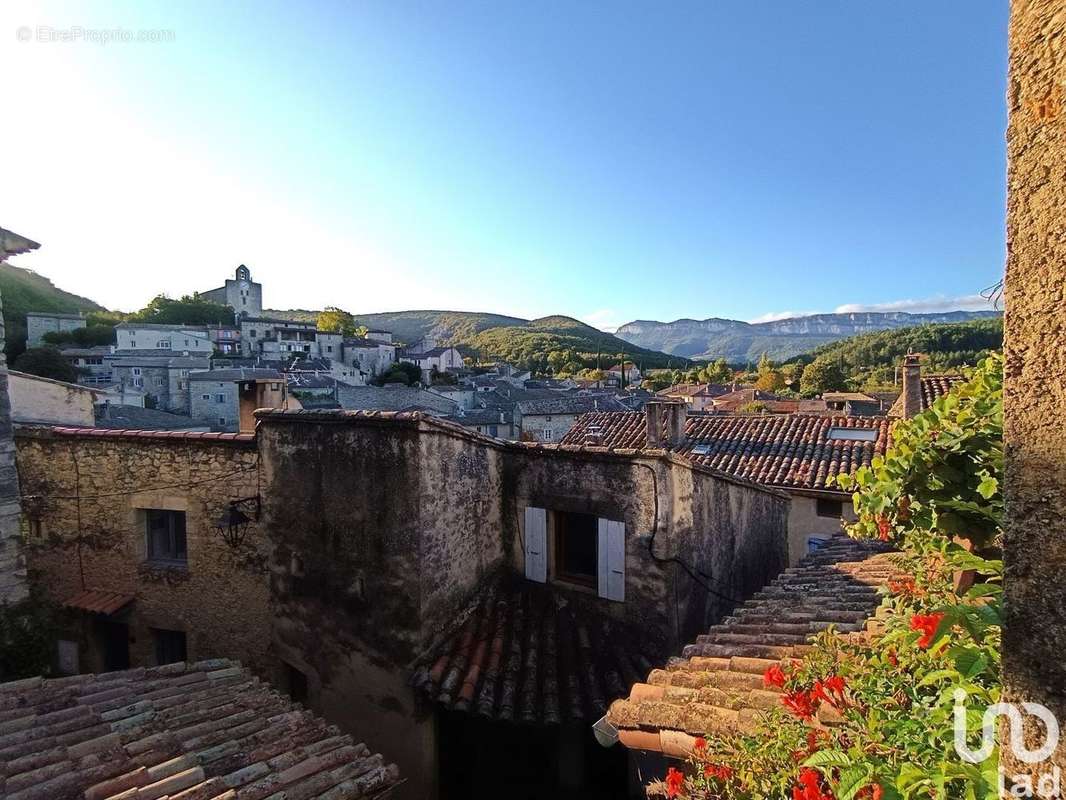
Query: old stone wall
(84, 498)
(41, 400)
(13, 587)
(1035, 385)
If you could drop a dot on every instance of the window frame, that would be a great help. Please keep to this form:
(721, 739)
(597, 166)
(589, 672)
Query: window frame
(175, 555)
(558, 528)
(819, 510)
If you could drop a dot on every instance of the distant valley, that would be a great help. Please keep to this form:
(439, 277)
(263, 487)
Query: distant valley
(742, 342)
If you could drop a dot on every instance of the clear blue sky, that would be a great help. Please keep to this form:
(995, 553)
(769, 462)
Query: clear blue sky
(608, 161)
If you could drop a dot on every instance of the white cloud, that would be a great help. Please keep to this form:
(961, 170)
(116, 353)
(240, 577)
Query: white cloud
(928, 305)
(606, 319)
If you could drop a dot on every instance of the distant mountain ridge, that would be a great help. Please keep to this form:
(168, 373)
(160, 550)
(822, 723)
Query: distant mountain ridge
(782, 339)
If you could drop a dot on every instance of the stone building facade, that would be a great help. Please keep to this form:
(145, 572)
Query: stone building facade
(1034, 635)
(241, 293)
(377, 531)
(38, 323)
(94, 500)
(149, 336)
(163, 379)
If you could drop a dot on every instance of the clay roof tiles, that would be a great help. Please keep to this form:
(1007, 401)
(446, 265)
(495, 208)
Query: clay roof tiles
(791, 451)
(933, 388)
(182, 731)
(527, 652)
(717, 682)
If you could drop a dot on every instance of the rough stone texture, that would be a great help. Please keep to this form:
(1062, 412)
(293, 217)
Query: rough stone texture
(387, 524)
(221, 600)
(12, 569)
(1035, 387)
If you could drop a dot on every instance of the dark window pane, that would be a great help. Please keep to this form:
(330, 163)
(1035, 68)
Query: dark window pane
(576, 550)
(169, 646)
(830, 508)
(166, 535)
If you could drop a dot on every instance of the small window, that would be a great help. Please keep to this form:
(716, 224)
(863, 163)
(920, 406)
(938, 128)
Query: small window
(165, 345)
(854, 434)
(166, 535)
(252, 333)
(133, 344)
(136, 370)
(158, 381)
(205, 396)
(169, 646)
(829, 508)
(220, 398)
(222, 421)
(576, 536)
(546, 435)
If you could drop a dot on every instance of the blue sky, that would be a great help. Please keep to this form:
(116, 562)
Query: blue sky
(609, 161)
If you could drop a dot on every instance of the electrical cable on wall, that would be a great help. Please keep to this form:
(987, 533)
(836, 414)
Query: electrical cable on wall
(674, 559)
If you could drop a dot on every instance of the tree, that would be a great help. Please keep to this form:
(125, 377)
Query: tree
(400, 372)
(89, 336)
(46, 362)
(821, 376)
(189, 310)
(337, 320)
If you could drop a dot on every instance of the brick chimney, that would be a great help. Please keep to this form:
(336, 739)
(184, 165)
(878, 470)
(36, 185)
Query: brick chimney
(912, 386)
(653, 422)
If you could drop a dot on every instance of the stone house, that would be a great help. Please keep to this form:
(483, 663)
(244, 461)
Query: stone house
(370, 356)
(149, 336)
(537, 584)
(164, 379)
(93, 364)
(38, 323)
(550, 419)
(271, 338)
(436, 359)
(225, 399)
(791, 452)
(240, 293)
(226, 339)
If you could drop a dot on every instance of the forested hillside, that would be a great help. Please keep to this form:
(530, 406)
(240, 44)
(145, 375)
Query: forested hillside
(23, 290)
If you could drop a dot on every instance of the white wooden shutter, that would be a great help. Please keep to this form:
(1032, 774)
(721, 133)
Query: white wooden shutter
(536, 539)
(612, 559)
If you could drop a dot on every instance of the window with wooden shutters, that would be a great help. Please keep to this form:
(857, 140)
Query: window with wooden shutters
(536, 544)
(611, 552)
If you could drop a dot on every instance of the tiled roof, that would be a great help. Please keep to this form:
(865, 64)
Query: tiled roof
(119, 417)
(791, 451)
(933, 388)
(206, 730)
(98, 601)
(717, 683)
(237, 374)
(104, 433)
(528, 652)
(570, 404)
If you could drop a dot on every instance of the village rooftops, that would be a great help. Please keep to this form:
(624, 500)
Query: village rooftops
(171, 362)
(201, 730)
(789, 451)
(236, 375)
(158, 326)
(119, 417)
(717, 683)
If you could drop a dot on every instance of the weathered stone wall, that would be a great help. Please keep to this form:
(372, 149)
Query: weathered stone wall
(385, 526)
(13, 586)
(1035, 344)
(82, 495)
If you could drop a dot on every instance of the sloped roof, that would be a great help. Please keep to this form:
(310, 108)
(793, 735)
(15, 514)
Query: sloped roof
(121, 417)
(528, 652)
(180, 730)
(570, 404)
(717, 682)
(12, 244)
(792, 451)
(392, 398)
(236, 375)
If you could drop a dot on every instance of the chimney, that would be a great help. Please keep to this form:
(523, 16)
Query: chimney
(912, 386)
(653, 420)
(676, 417)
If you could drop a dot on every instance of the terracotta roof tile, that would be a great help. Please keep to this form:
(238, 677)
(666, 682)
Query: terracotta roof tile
(98, 601)
(792, 451)
(184, 731)
(528, 652)
(109, 433)
(933, 388)
(716, 684)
